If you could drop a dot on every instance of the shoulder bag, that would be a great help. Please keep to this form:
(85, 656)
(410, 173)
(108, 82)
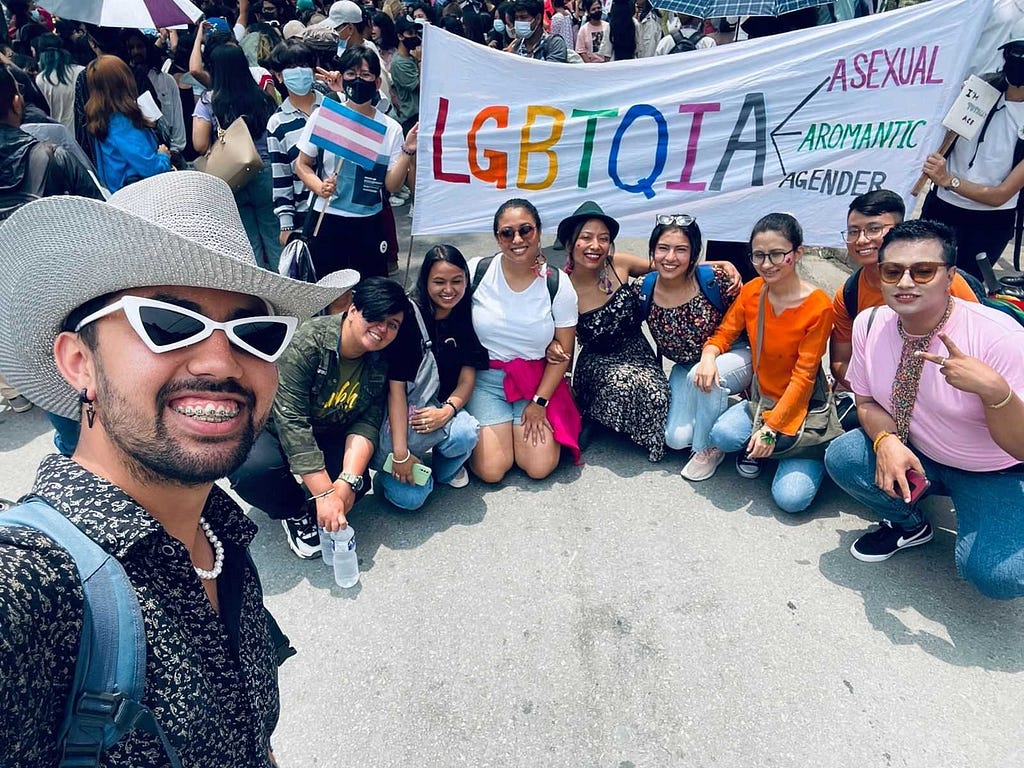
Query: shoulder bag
(232, 156)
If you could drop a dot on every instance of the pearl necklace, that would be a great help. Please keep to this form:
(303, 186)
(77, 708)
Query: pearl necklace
(218, 553)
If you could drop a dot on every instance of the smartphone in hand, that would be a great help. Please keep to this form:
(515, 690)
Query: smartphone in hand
(918, 483)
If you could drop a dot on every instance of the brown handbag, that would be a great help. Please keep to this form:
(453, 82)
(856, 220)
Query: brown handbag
(232, 156)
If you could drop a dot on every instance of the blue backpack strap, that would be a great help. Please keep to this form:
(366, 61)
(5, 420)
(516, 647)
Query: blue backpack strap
(110, 670)
(647, 293)
(710, 287)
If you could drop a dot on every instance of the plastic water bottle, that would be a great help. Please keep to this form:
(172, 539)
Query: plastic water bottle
(326, 547)
(346, 563)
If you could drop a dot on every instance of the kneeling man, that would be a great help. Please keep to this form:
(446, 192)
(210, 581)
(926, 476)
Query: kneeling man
(938, 383)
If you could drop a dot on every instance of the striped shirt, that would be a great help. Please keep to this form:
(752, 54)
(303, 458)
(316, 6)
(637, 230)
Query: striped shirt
(283, 132)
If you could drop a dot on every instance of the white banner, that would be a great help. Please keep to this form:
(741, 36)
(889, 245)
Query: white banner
(800, 122)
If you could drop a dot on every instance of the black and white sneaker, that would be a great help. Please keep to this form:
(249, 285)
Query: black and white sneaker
(887, 540)
(303, 536)
(747, 467)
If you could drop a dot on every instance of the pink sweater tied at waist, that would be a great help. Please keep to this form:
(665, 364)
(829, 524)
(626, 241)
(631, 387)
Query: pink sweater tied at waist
(522, 377)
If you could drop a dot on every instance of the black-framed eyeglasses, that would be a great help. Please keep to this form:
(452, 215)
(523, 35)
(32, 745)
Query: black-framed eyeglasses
(772, 257)
(922, 272)
(871, 231)
(351, 75)
(679, 219)
(508, 234)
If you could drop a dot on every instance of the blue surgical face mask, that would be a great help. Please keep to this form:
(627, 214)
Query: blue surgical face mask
(499, 26)
(524, 29)
(298, 80)
(342, 45)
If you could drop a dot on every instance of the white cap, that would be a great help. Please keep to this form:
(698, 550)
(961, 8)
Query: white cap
(343, 12)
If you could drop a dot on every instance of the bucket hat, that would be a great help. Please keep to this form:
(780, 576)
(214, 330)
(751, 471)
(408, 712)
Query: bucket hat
(179, 229)
(588, 210)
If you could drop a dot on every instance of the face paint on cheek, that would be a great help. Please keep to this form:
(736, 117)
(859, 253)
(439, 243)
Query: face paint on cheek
(788, 259)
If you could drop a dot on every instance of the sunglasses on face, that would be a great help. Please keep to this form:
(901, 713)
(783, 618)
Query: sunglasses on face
(165, 327)
(922, 272)
(679, 219)
(508, 234)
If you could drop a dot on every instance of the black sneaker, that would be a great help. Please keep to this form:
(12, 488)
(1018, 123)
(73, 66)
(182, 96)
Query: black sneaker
(747, 467)
(887, 540)
(303, 536)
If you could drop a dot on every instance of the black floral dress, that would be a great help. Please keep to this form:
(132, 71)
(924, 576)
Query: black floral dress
(618, 380)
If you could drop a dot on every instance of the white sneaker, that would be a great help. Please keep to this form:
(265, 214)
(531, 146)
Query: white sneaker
(397, 201)
(410, 211)
(703, 464)
(461, 480)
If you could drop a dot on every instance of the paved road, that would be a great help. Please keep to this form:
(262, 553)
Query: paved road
(616, 615)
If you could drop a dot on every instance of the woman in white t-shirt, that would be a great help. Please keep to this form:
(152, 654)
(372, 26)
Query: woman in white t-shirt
(522, 402)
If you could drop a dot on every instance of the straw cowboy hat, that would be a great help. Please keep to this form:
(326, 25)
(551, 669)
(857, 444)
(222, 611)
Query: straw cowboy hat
(178, 228)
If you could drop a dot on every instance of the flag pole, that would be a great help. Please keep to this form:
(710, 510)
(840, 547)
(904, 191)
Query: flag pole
(320, 218)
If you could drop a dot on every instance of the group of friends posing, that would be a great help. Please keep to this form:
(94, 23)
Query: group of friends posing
(472, 371)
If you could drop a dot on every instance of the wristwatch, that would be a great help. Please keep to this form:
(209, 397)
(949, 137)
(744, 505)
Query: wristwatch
(541, 401)
(954, 182)
(355, 481)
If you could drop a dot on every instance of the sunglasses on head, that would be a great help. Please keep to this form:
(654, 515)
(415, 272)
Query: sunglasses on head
(921, 272)
(508, 234)
(165, 327)
(679, 219)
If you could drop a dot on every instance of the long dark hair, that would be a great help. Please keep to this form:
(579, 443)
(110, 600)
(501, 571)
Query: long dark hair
(54, 60)
(448, 254)
(235, 93)
(621, 31)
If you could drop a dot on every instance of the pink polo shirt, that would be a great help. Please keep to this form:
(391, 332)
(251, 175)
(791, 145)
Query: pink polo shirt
(947, 426)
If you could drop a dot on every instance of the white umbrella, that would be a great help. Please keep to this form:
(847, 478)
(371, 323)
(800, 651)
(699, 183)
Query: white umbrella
(132, 14)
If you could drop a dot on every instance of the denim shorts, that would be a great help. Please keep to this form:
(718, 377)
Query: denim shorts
(488, 404)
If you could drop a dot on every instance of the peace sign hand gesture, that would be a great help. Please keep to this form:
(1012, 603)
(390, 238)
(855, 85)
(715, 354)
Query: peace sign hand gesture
(968, 374)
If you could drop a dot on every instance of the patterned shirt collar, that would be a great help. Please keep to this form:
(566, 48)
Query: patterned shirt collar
(114, 520)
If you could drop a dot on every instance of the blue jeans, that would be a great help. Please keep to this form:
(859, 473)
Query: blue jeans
(692, 412)
(448, 456)
(255, 204)
(989, 511)
(796, 481)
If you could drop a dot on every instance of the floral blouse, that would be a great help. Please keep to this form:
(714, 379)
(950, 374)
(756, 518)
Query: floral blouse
(680, 332)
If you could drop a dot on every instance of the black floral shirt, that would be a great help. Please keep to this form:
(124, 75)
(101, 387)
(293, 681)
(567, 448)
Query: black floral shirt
(211, 680)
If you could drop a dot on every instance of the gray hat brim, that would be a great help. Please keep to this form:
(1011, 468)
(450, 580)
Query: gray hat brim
(61, 252)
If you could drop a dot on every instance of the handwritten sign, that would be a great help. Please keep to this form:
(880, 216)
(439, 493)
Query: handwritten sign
(799, 122)
(971, 107)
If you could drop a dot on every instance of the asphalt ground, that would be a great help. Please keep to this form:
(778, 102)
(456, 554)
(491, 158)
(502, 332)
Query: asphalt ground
(617, 615)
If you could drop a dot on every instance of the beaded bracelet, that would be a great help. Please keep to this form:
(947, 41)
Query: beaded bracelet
(455, 409)
(881, 436)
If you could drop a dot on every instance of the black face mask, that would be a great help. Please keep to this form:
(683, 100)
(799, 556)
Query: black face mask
(596, 16)
(412, 43)
(1013, 69)
(360, 91)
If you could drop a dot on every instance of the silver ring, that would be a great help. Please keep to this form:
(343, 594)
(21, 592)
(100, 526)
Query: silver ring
(943, 363)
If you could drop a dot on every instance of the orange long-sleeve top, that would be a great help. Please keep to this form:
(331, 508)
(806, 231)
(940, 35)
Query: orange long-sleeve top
(794, 343)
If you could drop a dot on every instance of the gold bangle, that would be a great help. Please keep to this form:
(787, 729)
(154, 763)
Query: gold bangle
(1004, 402)
(881, 436)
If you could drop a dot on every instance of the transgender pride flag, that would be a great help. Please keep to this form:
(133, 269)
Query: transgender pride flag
(348, 134)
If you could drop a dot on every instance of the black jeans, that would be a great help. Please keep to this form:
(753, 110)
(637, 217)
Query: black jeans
(265, 480)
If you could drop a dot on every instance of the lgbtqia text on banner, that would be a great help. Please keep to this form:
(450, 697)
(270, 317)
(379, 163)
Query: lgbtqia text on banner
(800, 122)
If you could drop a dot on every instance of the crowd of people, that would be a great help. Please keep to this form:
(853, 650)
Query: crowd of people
(171, 354)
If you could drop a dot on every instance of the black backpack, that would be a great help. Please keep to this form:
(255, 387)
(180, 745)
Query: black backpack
(33, 185)
(485, 263)
(685, 43)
